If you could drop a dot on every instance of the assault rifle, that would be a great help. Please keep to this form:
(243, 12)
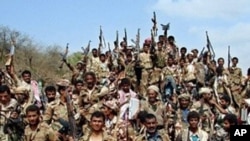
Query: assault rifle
(86, 51)
(138, 68)
(72, 124)
(64, 56)
(125, 38)
(210, 47)
(165, 28)
(229, 58)
(100, 38)
(116, 44)
(201, 54)
(153, 43)
(101, 41)
(154, 24)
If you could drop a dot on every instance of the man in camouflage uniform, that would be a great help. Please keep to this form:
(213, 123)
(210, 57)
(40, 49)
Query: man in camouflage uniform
(129, 66)
(50, 92)
(37, 130)
(160, 58)
(203, 108)
(95, 128)
(224, 133)
(110, 109)
(22, 96)
(155, 105)
(235, 80)
(91, 95)
(104, 69)
(93, 61)
(147, 65)
(152, 133)
(169, 73)
(183, 110)
(56, 111)
(7, 104)
(78, 72)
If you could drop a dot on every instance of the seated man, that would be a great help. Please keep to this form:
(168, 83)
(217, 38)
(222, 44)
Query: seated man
(151, 130)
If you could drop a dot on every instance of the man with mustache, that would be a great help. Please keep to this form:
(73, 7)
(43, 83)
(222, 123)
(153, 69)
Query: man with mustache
(37, 130)
(152, 133)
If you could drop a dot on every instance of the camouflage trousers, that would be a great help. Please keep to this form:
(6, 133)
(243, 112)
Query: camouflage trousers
(145, 81)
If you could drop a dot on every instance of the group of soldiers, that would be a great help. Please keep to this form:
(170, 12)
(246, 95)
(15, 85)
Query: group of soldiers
(159, 92)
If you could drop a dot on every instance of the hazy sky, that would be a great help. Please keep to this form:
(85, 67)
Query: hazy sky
(76, 22)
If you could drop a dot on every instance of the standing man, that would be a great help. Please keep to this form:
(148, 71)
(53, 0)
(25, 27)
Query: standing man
(235, 80)
(193, 133)
(203, 108)
(50, 92)
(37, 130)
(7, 105)
(152, 133)
(97, 122)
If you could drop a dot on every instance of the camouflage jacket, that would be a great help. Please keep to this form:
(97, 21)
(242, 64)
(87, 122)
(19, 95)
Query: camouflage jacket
(161, 136)
(43, 133)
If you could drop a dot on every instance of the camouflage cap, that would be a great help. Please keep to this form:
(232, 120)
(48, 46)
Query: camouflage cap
(111, 104)
(63, 82)
(184, 96)
(103, 92)
(81, 62)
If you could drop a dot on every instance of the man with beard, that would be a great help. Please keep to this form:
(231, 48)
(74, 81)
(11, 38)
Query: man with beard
(50, 92)
(203, 108)
(77, 87)
(97, 122)
(56, 111)
(22, 96)
(7, 104)
(183, 110)
(152, 133)
(31, 86)
(37, 130)
(91, 95)
(193, 132)
(155, 105)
